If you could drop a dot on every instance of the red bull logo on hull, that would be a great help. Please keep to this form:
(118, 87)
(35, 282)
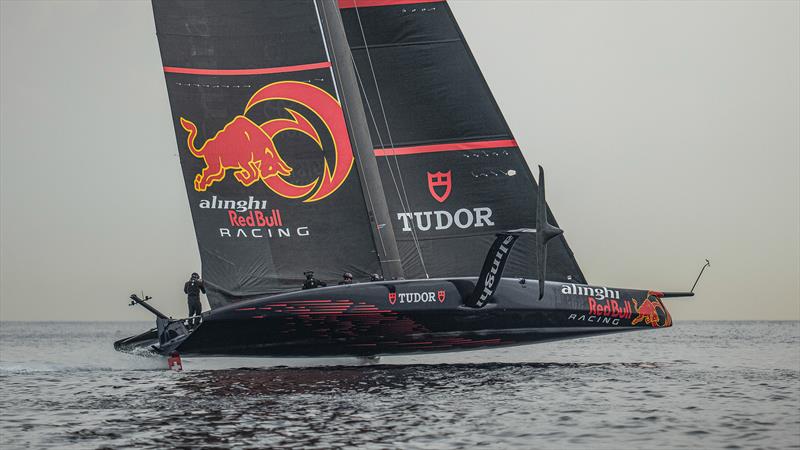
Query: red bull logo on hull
(606, 308)
(647, 312)
(249, 149)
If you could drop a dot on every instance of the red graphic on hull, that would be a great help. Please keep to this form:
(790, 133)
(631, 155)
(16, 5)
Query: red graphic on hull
(647, 312)
(611, 308)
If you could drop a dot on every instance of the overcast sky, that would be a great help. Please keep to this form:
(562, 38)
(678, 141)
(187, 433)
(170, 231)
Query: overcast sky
(669, 130)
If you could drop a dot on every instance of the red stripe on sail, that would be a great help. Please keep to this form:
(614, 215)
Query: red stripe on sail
(451, 147)
(267, 70)
(344, 4)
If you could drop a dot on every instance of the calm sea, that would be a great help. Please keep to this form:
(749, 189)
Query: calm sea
(696, 385)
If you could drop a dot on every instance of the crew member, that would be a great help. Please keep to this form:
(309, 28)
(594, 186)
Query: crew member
(312, 282)
(192, 289)
(375, 277)
(347, 278)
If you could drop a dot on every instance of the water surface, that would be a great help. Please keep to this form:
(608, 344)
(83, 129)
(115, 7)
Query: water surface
(696, 385)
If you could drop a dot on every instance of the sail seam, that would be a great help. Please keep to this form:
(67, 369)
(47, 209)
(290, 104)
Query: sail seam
(450, 147)
(348, 4)
(486, 137)
(255, 71)
(406, 44)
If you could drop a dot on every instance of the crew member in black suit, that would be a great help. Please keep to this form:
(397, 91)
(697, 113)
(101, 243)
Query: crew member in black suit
(312, 282)
(192, 289)
(347, 278)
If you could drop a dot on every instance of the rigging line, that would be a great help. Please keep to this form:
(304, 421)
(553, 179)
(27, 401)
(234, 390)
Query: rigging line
(389, 136)
(325, 46)
(350, 120)
(403, 206)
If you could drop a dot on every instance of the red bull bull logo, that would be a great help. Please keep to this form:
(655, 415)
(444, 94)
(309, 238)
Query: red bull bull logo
(648, 312)
(248, 149)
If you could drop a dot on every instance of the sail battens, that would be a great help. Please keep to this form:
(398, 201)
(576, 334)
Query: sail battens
(345, 4)
(404, 44)
(235, 72)
(449, 147)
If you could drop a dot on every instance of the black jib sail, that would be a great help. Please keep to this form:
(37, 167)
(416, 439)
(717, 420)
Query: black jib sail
(270, 156)
(452, 172)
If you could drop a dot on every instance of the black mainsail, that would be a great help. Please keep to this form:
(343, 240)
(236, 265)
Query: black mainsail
(270, 148)
(452, 172)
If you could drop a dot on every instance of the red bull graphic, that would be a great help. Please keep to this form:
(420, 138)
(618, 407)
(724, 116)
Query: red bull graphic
(256, 219)
(442, 181)
(249, 149)
(648, 312)
(605, 305)
(611, 308)
(608, 312)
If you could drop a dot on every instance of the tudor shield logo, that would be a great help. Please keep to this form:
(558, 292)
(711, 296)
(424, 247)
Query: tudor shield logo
(440, 185)
(427, 297)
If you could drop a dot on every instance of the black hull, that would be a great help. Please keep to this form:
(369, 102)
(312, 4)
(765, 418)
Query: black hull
(412, 316)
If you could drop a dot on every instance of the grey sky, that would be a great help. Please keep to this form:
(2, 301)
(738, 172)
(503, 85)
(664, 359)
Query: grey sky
(670, 132)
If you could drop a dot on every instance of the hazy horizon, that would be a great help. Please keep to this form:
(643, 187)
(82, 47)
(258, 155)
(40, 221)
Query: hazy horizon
(670, 132)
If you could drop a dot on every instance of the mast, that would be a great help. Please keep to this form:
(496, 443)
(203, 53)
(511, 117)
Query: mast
(350, 98)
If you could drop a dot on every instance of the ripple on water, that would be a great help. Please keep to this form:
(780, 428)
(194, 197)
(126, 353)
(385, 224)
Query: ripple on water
(584, 393)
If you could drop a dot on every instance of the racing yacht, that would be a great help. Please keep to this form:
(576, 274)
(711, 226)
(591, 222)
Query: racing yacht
(361, 137)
